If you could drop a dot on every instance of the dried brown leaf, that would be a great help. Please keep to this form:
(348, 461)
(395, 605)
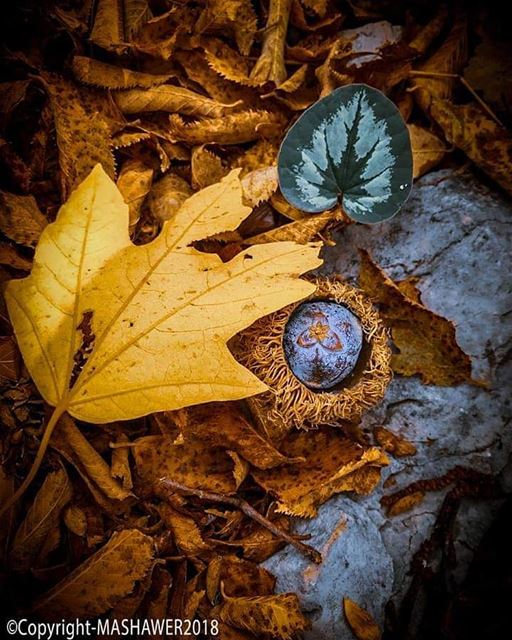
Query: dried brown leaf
(396, 445)
(224, 425)
(329, 459)
(235, 17)
(278, 615)
(21, 219)
(206, 168)
(76, 520)
(270, 65)
(9, 359)
(109, 76)
(485, 142)
(83, 130)
(235, 128)
(425, 341)
(171, 99)
(405, 503)
(102, 580)
(42, 516)
(192, 464)
(134, 183)
(301, 231)
(259, 185)
(187, 534)
(427, 149)
(360, 621)
(239, 578)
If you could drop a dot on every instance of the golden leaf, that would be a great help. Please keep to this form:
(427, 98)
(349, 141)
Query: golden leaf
(224, 425)
(97, 314)
(259, 155)
(240, 468)
(278, 615)
(427, 149)
(360, 621)
(405, 503)
(109, 76)
(485, 142)
(41, 518)
(425, 340)
(193, 464)
(270, 65)
(82, 128)
(166, 97)
(76, 520)
(329, 459)
(396, 445)
(20, 218)
(261, 543)
(102, 580)
(230, 129)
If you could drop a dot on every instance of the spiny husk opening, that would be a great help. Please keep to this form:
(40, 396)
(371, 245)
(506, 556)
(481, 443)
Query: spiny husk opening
(290, 404)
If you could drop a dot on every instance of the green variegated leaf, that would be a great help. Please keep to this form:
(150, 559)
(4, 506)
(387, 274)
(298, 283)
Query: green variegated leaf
(352, 146)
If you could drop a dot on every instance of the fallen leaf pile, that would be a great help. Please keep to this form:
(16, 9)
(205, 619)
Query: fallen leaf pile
(141, 228)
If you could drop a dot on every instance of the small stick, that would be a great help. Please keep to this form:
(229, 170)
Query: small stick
(249, 511)
(465, 83)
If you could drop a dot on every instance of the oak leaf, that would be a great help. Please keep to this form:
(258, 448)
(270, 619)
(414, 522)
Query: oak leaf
(360, 621)
(278, 615)
(425, 341)
(102, 580)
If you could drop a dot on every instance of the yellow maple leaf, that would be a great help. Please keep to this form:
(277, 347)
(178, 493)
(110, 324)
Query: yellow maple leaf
(111, 331)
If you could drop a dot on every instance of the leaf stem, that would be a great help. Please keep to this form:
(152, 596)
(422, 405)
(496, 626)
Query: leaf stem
(43, 446)
(249, 511)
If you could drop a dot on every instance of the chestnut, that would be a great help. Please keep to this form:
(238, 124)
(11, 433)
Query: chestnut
(322, 341)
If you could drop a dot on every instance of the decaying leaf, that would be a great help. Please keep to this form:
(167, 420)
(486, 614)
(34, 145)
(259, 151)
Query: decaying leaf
(396, 445)
(427, 150)
(40, 519)
(102, 580)
(270, 65)
(193, 464)
(116, 22)
(206, 168)
(238, 577)
(235, 16)
(20, 218)
(484, 141)
(9, 359)
(186, 532)
(330, 459)
(75, 520)
(301, 231)
(405, 503)
(278, 615)
(109, 76)
(426, 341)
(360, 621)
(166, 97)
(231, 129)
(82, 128)
(224, 425)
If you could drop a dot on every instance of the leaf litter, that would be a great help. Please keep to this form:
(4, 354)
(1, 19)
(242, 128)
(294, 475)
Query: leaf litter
(183, 106)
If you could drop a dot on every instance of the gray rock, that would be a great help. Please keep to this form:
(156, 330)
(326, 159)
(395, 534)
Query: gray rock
(455, 234)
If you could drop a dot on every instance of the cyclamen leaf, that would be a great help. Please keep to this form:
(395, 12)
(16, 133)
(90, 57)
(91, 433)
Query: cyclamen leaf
(112, 331)
(353, 146)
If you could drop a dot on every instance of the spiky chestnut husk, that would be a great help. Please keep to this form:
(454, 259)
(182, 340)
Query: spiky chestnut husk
(289, 403)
